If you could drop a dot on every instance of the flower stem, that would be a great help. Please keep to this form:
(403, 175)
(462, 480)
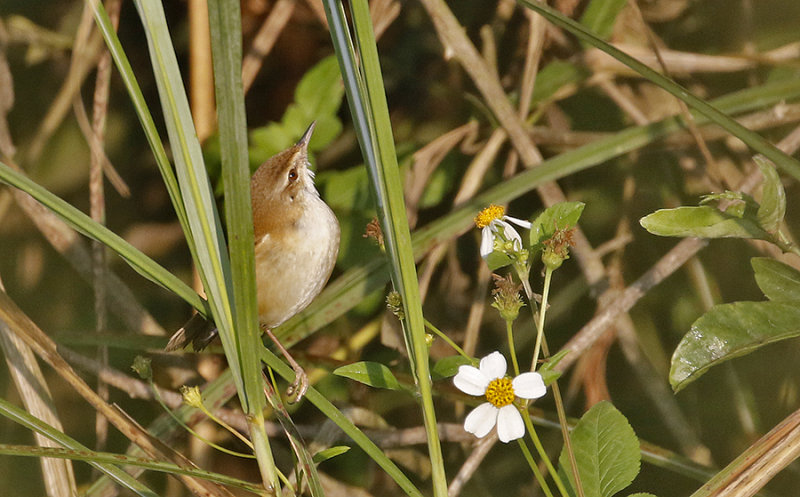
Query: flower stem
(562, 417)
(512, 350)
(539, 476)
(540, 323)
(436, 331)
(543, 454)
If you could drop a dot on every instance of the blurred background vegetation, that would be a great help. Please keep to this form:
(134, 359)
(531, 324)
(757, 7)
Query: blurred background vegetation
(441, 124)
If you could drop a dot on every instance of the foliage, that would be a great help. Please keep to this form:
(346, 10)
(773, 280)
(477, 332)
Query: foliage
(562, 112)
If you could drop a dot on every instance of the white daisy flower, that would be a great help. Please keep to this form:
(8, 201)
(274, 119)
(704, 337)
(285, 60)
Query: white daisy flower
(490, 381)
(494, 223)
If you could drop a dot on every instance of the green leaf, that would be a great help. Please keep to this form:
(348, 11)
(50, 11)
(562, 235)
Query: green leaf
(642, 494)
(731, 330)
(777, 280)
(547, 370)
(497, 260)
(702, 222)
(369, 373)
(330, 453)
(561, 216)
(606, 450)
(320, 91)
(317, 97)
(448, 366)
(773, 197)
(555, 78)
(600, 16)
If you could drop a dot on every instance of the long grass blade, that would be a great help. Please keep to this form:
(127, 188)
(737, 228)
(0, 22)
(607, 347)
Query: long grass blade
(755, 141)
(18, 415)
(84, 224)
(226, 46)
(211, 255)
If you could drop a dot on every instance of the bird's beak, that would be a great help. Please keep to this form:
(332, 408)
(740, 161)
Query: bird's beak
(303, 142)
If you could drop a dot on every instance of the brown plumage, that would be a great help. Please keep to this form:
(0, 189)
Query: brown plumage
(296, 241)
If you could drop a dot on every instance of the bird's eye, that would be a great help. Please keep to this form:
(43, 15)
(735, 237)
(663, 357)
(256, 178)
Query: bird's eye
(292, 174)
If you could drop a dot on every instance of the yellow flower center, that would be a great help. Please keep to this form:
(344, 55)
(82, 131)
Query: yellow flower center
(489, 214)
(500, 392)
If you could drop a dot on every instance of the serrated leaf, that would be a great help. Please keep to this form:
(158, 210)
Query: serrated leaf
(773, 196)
(731, 330)
(563, 215)
(448, 366)
(777, 280)
(369, 373)
(329, 453)
(702, 222)
(606, 451)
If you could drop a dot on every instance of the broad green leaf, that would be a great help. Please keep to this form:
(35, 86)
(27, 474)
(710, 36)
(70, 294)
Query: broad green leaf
(448, 366)
(777, 280)
(330, 453)
(731, 330)
(497, 260)
(561, 216)
(642, 494)
(600, 16)
(773, 197)
(606, 450)
(320, 91)
(317, 97)
(702, 222)
(369, 373)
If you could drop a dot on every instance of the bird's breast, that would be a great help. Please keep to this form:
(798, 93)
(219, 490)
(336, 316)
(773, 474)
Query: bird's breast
(293, 264)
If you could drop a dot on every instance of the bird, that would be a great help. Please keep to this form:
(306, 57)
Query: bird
(296, 237)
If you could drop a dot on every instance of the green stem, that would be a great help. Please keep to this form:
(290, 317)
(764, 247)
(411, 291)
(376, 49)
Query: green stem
(540, 322)
(529, 457)
(562, 417)
(160, 400)
(266, 463)
(511, 347)
(543, 454)
(446, 338)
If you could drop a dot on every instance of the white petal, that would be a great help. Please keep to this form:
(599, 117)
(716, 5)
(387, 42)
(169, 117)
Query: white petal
(471, 380)
(519, 222)
(487, 241)
(493, 366)
(481, 420)
(529, 386)
(509, 424)
(511, 234)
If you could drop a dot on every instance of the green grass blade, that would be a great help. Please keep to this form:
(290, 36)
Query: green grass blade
(347, 426)
(352, 287)
(211, 254)
(388, 187)
(112, 459)
(226, 47)
(32, 423)
(84, 224)
(227, 55)
(755, 141)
